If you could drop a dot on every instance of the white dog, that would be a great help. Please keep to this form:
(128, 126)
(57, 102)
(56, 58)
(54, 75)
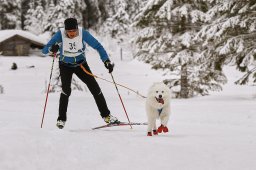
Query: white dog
(158, 106)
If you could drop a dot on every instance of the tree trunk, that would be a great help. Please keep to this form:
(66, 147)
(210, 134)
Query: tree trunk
(92, 14)
(184, 82)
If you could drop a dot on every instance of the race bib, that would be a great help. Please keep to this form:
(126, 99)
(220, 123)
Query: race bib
(72, 47)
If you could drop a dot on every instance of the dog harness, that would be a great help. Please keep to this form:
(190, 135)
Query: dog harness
(160, 111)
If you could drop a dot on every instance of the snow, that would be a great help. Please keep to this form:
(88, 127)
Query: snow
(5, 34)
(212, 132)
(186, 39)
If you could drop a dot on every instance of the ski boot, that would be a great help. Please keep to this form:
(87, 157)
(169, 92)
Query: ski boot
(111, 119)
(60, 124)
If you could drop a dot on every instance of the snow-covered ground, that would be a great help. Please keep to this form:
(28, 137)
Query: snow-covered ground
(216, 132)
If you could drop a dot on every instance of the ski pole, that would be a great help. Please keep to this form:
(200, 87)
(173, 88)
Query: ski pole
(46, 99)
(121, 100)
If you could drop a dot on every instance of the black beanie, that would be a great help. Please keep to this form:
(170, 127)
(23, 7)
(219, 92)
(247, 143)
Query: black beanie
(70, 24)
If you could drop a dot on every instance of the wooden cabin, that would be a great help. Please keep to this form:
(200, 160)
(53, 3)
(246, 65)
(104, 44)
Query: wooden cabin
(19, 43)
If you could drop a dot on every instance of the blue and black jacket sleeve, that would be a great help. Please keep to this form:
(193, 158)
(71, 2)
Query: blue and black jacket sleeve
(90, 40)
(55, 40)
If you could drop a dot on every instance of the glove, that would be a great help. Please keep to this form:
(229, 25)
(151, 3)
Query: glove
(55, 48)
(109, 65)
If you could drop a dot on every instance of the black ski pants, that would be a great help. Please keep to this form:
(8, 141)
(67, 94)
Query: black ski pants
(66, 73)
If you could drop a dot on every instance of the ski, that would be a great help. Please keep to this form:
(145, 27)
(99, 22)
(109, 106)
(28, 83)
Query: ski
(118, 124)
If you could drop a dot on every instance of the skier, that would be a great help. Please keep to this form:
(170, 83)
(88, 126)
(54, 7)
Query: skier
(70, 42)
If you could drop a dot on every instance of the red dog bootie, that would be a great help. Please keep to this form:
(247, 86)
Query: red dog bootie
(165, 129)
(155, 132)
(160, 129)
(149, 134)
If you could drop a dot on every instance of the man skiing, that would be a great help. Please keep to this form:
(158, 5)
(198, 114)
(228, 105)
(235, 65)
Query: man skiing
(70, 42)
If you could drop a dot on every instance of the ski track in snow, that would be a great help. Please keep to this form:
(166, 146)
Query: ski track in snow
(216, 132)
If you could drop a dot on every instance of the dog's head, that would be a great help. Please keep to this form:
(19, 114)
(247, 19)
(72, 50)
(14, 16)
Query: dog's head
(159, 93)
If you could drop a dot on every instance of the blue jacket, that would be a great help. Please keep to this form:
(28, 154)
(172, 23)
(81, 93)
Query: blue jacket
(86, 37)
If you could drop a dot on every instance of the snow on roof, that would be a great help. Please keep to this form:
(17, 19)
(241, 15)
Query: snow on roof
(6, 34)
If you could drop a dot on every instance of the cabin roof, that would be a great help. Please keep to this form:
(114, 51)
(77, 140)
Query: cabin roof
(7, 34)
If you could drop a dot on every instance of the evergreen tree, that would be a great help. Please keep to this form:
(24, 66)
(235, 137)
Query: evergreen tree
(10, 14)
(118, 19)
(92, 15)
(56, 14)
(25, 6)
(166, 39)
(34, 18)
(231, 32)
(134, 7)
(49, 24)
